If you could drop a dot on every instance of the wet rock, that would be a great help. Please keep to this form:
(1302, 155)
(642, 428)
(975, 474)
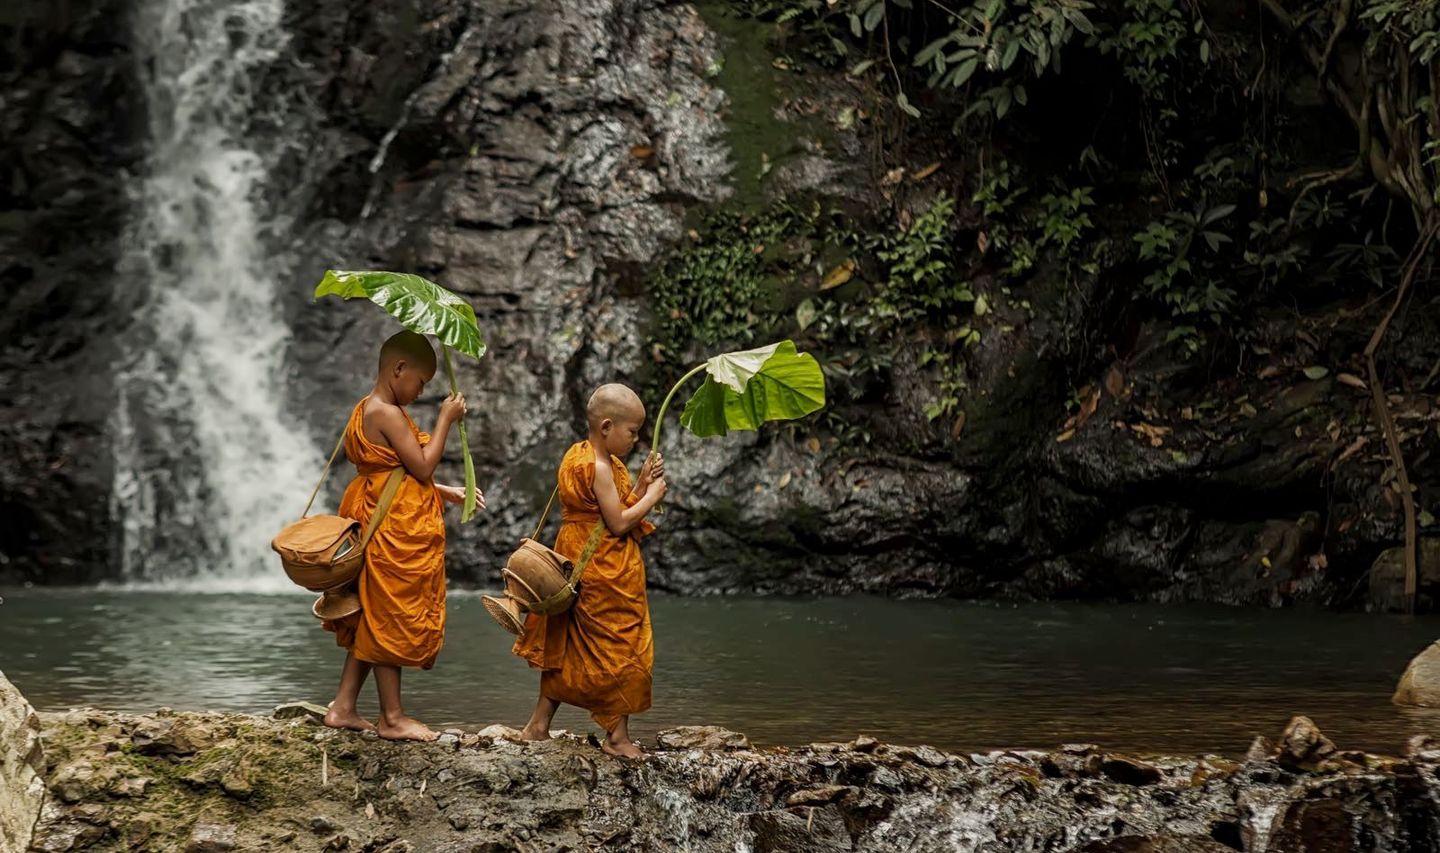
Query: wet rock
(1261, 749)
(22, 765)
(58, 832)
(1129, 771)
(211, 838)
(1420, 684)
(321, 825)
(864, 743)
(499, 731)
(171, 737)
(926, 755)
(239, 779)
(504, 796)
(1387, 577)
(702, 737)
(130, 786)
(300, 710)
(823, 795)
(139, 829)
(77, 781)
(1157, 844)
(800, 830)
(1302, 745)
(1424, 748)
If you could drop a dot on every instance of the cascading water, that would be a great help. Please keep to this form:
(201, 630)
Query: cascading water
(209, 464)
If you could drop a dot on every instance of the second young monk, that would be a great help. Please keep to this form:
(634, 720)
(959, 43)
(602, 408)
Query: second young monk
(598, 655)
(402, 589)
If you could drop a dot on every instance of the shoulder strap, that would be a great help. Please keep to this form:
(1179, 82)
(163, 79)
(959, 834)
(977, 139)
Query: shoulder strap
(387, 495)
(590, 545)
(545, 515)
(323, 474)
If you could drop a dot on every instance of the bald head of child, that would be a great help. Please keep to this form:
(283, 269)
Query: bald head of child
(407, 363)
(615, 415)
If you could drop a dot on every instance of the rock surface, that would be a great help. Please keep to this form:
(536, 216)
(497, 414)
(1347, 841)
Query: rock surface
(22, 765)
(313, 789)
(1420, 684)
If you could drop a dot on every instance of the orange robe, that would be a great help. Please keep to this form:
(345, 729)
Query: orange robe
(402, 589)
(599, 654)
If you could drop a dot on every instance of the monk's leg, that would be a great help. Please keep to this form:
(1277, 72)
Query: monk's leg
(393, 724)
(342, 713)
(539, 726)
(618, 743)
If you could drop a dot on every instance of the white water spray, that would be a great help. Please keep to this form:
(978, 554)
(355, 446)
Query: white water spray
(209, 463)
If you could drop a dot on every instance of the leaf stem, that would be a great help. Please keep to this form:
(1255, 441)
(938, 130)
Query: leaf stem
(660, 417)
(469, 509)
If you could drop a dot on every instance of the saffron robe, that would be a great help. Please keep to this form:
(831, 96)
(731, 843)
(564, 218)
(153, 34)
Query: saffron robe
(402, 588)
(599, 654)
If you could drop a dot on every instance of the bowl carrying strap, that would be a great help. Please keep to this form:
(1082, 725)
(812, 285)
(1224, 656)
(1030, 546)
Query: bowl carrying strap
(572, 585)
(387, 494)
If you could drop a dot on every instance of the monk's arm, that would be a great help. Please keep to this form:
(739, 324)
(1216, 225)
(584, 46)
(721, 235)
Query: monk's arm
(618, 517)
(419, 461)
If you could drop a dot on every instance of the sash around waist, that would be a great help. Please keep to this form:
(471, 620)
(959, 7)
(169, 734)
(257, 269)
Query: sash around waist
(579, 517)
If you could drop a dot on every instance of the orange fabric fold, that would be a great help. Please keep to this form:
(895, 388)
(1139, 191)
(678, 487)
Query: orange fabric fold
(599, 654)
(402, 589)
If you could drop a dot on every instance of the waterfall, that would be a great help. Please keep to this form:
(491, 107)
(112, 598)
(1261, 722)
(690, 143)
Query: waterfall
(209, 464)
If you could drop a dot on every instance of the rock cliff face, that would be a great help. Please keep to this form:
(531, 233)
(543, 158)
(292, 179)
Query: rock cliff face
(540, 159)
(67, 137)
(209, 782)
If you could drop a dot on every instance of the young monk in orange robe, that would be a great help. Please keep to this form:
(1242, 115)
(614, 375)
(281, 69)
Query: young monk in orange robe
(598, 655)
(402, 589)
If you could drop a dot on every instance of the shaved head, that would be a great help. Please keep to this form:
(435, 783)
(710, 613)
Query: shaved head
(407, 346)
(615, 402)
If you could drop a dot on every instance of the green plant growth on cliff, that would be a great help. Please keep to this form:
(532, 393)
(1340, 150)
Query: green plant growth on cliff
(857, 298)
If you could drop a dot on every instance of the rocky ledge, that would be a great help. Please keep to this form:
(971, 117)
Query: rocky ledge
(213, 782)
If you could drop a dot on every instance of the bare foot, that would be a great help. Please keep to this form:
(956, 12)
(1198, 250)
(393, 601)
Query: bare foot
(534, 733)
(406, 728)
(352, 721)
(621, 749)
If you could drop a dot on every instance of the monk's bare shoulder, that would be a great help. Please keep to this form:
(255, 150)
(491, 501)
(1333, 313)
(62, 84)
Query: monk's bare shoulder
(601, 472)
(382, 419)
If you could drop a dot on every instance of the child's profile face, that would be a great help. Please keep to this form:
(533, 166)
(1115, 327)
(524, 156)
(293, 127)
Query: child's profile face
(622, 433)
(409, 381)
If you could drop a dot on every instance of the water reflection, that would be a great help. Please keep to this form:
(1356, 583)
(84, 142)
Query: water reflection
(956, 675)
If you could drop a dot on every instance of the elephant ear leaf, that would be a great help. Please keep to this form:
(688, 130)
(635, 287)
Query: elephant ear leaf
(419, 304)
(743, 390)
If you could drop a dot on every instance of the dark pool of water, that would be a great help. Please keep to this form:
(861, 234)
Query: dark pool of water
(959, 676)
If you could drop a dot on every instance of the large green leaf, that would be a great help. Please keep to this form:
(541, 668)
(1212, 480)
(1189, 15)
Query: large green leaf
(745, 389)
(419, 304)
(426, 308)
